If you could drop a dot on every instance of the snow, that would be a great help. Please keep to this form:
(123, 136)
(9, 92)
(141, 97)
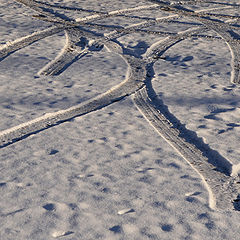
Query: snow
(135, 138)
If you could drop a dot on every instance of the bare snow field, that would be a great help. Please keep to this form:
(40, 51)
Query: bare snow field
(119, 119)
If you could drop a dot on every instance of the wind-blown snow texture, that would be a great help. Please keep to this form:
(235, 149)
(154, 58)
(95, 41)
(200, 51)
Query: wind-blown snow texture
(120, 119)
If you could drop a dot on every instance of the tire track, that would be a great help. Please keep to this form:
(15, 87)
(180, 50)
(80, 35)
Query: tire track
(124, 89)
(221, 28)
(20, 43)
(185, 2)
(152, 55)
(222, 189)
(44, 10)
(69, 54)
(225, 31)
(214, 170)
(157, 49)
(61, 61)
(134, 81)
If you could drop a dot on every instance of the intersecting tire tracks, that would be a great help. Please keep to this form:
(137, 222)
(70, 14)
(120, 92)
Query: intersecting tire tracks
(222, 190)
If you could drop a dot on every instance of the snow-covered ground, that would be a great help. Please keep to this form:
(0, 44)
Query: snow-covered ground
(119, 119)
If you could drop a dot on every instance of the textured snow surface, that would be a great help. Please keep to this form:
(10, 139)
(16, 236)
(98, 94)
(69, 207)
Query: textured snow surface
(119, 119)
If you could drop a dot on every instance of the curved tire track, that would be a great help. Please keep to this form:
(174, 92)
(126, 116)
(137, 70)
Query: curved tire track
(213, 169)
(20, 43)
(71, 53)
(225, 31)
(221, 188)
(134, 81)
(221, 28)
(66, 57)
